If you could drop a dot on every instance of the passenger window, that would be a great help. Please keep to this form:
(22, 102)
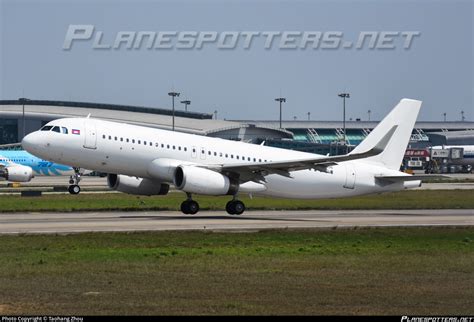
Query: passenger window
(64, 130)
(179, 148)
(121, 139)
(128, 140)
(133, 140)
(110, 137)
(103, 136)
(151, 144)
(115, 138)
(156, 144)
(174, 147)
(144, 142)
(215, 154)
(168, 146)
(185, 149)
(237, 157)
(56, 129)
(139, 142)
(162, 145)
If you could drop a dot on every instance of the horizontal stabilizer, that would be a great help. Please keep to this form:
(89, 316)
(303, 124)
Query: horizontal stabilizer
(410, 177)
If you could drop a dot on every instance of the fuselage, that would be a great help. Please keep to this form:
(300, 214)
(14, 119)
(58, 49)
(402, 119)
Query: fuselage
(129, 150)
(40, 167)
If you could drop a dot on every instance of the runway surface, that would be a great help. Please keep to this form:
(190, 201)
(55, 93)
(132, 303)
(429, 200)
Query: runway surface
(219, 221)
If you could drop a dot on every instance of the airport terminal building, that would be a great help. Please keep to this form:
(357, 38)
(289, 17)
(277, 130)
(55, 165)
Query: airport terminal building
(22, 116)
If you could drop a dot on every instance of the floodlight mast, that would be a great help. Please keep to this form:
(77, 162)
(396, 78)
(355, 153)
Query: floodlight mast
(173, 95)
(344, 96)
(186, 103)
(281, 100)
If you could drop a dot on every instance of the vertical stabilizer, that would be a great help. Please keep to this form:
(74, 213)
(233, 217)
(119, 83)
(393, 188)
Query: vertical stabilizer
(403, 118)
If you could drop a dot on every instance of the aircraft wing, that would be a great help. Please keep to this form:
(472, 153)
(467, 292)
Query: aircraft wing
(257, 171)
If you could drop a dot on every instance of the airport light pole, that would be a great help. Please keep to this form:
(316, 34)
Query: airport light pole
(368, 112)
(309, 116)
(23, 102)
(444, 114)
(186, 103)
(173, 95)
(462, 116)
(344, 96)
(281, 100)
(215, 114)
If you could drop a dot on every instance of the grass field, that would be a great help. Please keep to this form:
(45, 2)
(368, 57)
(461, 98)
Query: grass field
(419, 199)
(424, 271)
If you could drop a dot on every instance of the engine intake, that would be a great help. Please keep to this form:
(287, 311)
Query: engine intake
(198, 180)
(136, 186)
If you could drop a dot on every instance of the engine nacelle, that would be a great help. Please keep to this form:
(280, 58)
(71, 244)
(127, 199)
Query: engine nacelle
(203, 181)
(17, 173)
(136, 186)
(163, 169)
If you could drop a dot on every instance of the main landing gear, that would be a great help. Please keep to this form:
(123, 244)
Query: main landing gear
(233, 207)
(189, 206)
(74, 180)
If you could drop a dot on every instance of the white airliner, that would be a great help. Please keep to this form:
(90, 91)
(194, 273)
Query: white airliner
(145, 161)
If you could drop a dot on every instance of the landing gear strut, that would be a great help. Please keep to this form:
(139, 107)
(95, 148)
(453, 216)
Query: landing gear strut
(189, 206)
(74, 180)
(235, 207)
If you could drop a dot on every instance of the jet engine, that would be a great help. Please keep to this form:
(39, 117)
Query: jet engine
(198, 180)
(136, 186)
(17, 173)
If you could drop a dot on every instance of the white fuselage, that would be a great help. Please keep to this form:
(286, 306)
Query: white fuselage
(129, 150)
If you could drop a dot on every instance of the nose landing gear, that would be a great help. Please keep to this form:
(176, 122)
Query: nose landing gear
(74, 180)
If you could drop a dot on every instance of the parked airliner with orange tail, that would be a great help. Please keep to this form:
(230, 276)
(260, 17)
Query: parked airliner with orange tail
(146, 161)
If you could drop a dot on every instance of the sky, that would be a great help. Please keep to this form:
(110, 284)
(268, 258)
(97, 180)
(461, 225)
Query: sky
(243, 83)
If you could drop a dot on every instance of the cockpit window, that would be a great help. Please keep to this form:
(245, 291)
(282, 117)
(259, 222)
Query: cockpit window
(56, 129)
(46, 128)
(64, 130)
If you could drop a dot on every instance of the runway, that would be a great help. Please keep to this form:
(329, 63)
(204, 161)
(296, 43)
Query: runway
(62, 223)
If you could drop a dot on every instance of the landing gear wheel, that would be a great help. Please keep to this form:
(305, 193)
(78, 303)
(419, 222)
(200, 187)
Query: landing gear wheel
(229, 208)
(184, 207)
(74, 189)
(239, 207)
(235, 207)
(189, 207)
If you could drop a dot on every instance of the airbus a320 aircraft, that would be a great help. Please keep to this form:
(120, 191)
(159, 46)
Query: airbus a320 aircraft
(145, 161)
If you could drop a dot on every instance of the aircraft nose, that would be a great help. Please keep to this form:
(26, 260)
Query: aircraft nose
(30, 142)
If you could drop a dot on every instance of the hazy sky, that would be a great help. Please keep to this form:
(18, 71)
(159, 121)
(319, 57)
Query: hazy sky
(242, 83)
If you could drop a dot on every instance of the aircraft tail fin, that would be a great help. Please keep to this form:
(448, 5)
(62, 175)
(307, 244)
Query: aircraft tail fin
(402, 118)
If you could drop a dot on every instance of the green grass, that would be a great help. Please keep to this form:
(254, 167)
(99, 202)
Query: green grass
(421, 271)
(419, 199)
